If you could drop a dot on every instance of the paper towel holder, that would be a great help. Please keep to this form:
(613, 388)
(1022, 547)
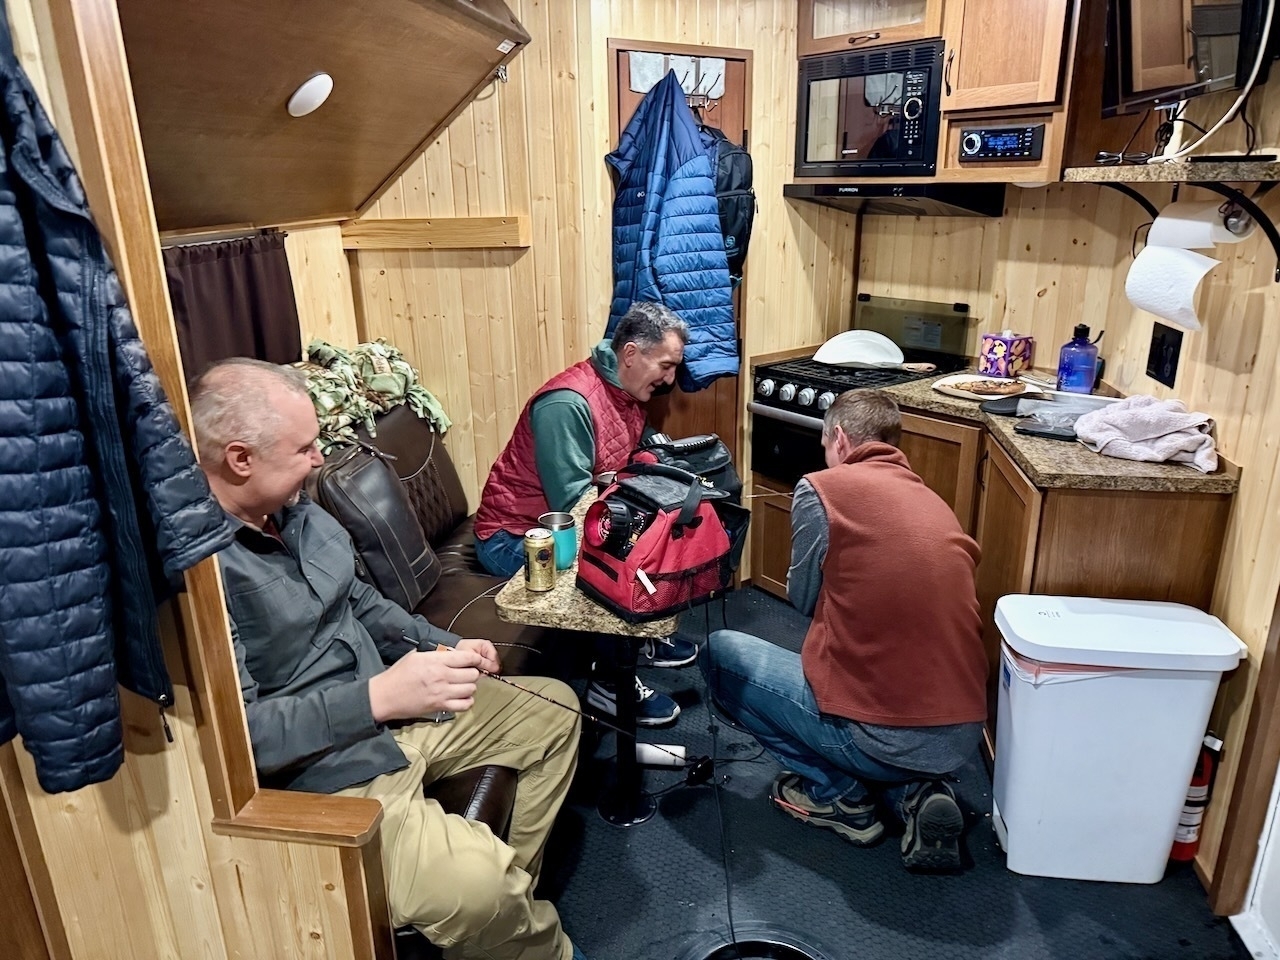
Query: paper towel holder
(1247, 204)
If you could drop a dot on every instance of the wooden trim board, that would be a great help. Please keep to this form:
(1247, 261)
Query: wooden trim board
(437, 233)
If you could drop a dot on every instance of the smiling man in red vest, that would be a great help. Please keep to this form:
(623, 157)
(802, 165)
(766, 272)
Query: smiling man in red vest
(584, 421)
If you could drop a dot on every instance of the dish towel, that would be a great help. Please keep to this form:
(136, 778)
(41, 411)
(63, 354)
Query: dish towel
(1144, 428)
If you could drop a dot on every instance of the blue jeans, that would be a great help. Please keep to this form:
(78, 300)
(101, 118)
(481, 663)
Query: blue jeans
(502, 554)
(762, 687)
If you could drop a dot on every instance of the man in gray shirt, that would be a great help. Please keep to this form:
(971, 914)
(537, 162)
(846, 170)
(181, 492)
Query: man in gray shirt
(336, 680)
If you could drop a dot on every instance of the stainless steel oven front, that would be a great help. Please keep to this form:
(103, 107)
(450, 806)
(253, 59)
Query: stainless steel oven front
(784, 445)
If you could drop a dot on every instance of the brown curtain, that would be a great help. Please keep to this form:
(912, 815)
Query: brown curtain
(233, 298)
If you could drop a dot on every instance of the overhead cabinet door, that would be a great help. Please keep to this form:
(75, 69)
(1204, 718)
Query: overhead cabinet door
(1003, 53)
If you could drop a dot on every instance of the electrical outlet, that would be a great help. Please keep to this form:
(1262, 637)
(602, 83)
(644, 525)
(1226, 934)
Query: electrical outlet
(1162, 360)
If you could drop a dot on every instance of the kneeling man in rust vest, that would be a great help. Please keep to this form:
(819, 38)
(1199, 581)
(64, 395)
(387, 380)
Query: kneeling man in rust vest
(888, 693)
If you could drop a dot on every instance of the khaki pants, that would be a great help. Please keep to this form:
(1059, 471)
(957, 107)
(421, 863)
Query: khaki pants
(462, 887)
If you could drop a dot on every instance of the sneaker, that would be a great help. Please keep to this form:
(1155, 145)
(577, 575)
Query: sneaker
(668, 652)
(653, 709)
(934, 826)
(857, 824)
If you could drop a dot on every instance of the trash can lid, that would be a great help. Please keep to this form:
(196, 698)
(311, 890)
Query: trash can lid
(1146, 634)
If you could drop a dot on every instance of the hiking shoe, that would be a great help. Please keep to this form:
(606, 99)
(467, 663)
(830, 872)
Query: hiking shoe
(668, 652)
(934, 826)
(653, 709)
(858, 824)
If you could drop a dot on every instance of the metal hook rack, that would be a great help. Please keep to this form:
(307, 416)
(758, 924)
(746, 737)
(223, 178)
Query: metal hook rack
(1241, 200)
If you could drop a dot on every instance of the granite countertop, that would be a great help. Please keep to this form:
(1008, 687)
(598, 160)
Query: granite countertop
(1053, 464)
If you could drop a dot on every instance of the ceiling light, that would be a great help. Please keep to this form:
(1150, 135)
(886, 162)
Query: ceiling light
(308, 97)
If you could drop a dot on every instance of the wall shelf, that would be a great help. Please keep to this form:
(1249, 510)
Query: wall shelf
(1175, 172)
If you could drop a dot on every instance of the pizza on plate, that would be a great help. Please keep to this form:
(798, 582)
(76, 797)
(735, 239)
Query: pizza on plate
(992, 388)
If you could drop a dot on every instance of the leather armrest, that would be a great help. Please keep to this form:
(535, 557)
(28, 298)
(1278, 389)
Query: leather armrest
(486, 794)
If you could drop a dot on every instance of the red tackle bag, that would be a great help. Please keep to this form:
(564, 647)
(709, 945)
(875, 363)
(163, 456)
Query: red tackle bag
(657, 541)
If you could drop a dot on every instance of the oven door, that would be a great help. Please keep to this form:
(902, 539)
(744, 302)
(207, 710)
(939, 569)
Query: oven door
(784, 445)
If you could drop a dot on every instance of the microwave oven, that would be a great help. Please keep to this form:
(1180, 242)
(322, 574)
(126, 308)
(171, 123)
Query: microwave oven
(874, 113)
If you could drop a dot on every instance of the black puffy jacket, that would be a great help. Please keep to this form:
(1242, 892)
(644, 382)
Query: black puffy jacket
(101, 501)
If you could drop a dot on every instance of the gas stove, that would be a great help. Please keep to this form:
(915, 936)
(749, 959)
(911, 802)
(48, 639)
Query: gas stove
(807, 387)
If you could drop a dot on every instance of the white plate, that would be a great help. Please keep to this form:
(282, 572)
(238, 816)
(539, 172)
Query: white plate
(947, 385)
(859, 346)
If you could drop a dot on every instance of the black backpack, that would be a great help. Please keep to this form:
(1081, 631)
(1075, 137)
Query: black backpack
(734, 195)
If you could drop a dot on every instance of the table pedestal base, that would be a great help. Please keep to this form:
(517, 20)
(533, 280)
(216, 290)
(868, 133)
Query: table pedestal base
(625, 807)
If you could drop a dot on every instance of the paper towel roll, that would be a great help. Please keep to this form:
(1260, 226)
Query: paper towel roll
(1163, 281)
(1192, 226)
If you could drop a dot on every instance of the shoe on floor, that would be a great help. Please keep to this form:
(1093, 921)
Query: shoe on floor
(934, 826)
(653, 709)
(667, 652)
(857, 824)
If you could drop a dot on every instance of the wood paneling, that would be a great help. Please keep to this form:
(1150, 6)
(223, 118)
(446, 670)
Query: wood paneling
(1059, 257)
(486, 328)
(322, 284)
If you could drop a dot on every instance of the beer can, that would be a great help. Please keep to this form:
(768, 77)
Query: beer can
(539, 560)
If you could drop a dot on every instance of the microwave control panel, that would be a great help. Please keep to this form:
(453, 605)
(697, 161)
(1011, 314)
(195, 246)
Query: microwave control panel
(1018, 144)
(915, 94)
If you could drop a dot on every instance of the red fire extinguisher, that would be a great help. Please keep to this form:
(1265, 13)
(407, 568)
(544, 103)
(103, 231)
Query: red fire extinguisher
(1186, 839)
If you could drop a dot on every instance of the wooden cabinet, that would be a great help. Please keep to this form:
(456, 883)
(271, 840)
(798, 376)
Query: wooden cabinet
(834, 26)
(770, 534)
(1163, 55)
(1123, 544)
(1003, 53)
(945, 456)
(1007, 528)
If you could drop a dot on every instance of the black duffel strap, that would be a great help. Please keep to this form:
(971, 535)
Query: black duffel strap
(697, 488)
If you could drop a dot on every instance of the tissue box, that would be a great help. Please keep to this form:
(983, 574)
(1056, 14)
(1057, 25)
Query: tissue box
(1005, 354)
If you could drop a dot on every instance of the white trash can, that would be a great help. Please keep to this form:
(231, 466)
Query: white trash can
(1102, 707)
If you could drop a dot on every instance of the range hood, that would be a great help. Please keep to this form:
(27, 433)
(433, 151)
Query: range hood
(908, 200)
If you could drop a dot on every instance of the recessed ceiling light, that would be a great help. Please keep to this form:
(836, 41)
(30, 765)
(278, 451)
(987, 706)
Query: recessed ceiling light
(308, 97)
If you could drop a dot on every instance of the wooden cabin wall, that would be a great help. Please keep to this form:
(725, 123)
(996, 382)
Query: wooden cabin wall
(131, 868)
(487, 327)
(1059, 257)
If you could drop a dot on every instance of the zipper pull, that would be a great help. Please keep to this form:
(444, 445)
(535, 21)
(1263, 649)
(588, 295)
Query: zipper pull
(163, 700)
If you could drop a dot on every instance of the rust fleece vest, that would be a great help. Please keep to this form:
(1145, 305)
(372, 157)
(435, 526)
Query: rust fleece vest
(512, 498)
(896, 637)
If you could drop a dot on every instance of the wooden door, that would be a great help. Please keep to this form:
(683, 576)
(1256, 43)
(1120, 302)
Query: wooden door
(945, 456)
(833, 26)
(1003, 53)
(770, 535)
(1160, 43)
(716, 408)
(1008, 528)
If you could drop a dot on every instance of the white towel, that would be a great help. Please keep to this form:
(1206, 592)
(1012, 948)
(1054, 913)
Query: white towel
(1144, 428)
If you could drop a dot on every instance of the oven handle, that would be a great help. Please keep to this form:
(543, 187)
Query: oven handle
(786, 416)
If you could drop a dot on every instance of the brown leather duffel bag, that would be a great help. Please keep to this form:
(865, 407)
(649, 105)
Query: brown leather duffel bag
(361, 490)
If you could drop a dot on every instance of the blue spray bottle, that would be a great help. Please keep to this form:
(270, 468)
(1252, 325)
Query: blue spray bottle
(1078, 362)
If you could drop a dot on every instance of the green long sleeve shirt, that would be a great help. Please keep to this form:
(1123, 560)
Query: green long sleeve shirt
(564, 435)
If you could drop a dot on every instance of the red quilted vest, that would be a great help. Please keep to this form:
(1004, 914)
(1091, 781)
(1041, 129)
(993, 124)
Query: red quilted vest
(512, 498)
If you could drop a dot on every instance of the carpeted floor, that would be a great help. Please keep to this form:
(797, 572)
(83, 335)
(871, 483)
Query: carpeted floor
(661, 890)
